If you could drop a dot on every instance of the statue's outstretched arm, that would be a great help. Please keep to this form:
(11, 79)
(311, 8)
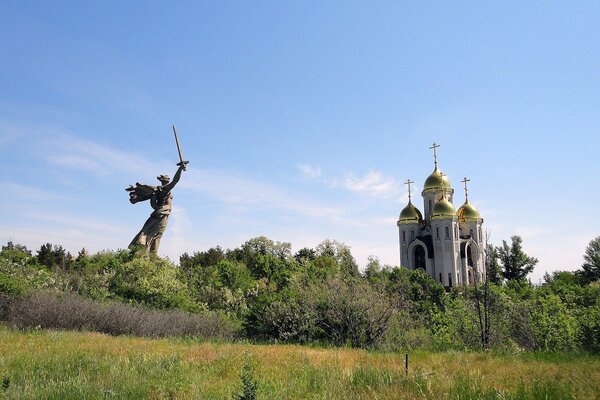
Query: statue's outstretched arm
(176, 178)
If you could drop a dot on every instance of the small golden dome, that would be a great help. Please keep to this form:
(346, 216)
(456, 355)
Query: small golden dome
(443, 209)
(467, 212)
(410, 215)
(436, 181)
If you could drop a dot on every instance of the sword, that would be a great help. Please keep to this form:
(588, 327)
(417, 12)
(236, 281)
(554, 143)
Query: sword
(183, 163)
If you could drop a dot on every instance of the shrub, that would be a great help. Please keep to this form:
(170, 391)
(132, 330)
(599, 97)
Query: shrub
(151, 281)
(249, 381)
(42, 309)
(337, 311)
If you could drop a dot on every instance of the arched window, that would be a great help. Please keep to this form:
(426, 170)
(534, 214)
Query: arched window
(412, 235)
(469, 257)
(420, 257)
(437, 232)
(404, 236)
(447, 233)
(430, 206)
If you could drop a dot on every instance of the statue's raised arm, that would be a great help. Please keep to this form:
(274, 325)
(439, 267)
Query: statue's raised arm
(168, 187)
(161, 200)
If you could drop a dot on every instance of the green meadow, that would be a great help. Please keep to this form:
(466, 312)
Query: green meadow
(46, 364)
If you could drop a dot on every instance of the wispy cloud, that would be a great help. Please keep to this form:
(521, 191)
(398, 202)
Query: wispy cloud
(375, 184)
(85, 223)
(74, 152)
(309, 171)
(239, 191)
(28, 193)
(78, 162)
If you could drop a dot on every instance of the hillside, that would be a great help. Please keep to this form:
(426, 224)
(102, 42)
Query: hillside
(70, 365)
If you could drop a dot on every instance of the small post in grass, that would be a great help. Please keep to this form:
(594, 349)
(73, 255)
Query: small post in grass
(406, 364)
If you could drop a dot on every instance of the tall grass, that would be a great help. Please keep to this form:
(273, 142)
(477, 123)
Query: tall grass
(70, 365)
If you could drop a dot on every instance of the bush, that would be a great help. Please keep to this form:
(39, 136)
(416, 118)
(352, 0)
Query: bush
(554, 325)
(151, 281)
(50, 310)
(337, 311)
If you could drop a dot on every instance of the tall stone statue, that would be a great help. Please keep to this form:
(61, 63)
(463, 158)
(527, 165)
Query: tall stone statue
(161, 200)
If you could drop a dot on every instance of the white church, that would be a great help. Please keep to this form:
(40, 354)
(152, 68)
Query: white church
(446, 243)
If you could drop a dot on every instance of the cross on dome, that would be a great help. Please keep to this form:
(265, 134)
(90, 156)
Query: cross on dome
(466, 189)
(434, 147)
(409, 182)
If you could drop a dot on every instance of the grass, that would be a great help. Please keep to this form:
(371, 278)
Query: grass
(71, 365)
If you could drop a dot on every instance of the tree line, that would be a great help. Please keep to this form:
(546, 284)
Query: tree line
(263, 291)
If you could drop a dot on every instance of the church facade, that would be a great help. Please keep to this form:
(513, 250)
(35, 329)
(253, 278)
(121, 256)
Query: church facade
(446, 243)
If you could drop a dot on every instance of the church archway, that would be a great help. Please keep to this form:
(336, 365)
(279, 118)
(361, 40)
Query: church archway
(419, 257)
(470, 261)
(470, 254)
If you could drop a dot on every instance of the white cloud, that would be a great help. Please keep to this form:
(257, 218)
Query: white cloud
(73, 152)
(28, 193)
(374, 184)
(79, 223)
(235, 190)
(309, 171)
(78, 162)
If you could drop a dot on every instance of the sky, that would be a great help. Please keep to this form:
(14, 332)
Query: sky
(301, 120)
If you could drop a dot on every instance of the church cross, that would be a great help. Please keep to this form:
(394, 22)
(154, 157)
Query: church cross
(409, 182)
(434, 147)
(442, 175)
(466, 190)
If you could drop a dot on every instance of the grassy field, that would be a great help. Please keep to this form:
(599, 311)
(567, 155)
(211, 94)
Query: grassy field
(71, 365)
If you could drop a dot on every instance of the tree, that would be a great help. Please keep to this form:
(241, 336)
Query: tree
(54, 257)
(493, 268)
(516, 264)
(481, 292)
(341, 254)
(15, 252)
(591, 267)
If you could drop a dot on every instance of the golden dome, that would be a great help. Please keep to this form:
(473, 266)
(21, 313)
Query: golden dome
(436, 181)
(467, 212)
(410, 215)
(443, 209)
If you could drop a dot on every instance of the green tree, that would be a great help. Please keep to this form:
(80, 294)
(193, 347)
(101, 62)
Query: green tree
(515, 263)
(15, 252)
(341, 254)
(492, 264)
(591, 266)
(54, 257)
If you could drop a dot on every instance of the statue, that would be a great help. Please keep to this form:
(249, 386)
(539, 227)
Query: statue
(161, 200)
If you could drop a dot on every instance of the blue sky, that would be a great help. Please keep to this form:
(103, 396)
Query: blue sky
(301, 120)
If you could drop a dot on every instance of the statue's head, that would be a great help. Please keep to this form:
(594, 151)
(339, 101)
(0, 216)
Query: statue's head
(164, 179)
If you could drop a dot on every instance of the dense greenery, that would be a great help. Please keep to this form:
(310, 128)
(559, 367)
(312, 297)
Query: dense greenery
(320, 296)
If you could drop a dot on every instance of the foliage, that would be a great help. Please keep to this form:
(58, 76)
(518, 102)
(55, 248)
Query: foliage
(315, 296)
(249, 381)
(151, 281)
(54, 257)
(493, 268)
(516, 264)
(591, 266)
(56, 310)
